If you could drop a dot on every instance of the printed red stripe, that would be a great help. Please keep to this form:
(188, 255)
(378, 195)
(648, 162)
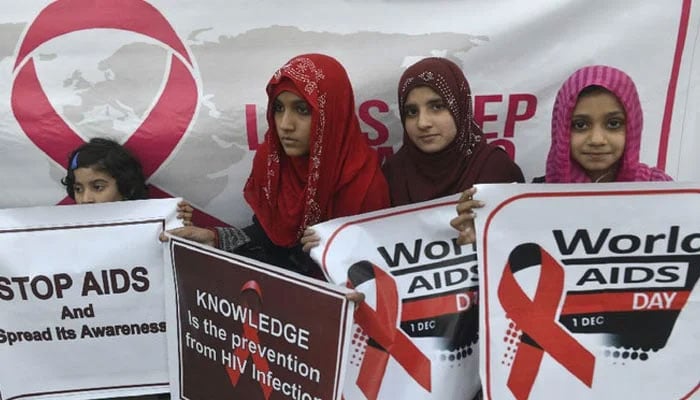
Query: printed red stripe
(623, 301)
(436, 306)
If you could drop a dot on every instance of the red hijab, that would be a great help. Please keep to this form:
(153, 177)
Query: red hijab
(341, 174)
(416, 176)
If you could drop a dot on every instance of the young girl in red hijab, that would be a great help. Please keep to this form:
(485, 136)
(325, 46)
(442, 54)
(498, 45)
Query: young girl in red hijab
(314, 165)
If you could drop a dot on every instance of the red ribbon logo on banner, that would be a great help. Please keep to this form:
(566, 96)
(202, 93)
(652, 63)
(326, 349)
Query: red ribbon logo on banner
(251, 333)
(386, 339)
(168, 120)
(538, 320)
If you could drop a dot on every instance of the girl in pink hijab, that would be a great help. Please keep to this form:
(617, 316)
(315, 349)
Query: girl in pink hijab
(597, 130)
(596, 137)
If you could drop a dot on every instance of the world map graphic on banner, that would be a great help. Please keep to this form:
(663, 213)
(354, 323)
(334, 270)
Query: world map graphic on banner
(105, 81)
(182, 84)
(112, 94)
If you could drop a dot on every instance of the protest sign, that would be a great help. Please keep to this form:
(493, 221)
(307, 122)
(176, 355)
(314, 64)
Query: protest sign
(417, 329)
(248, 330)
(81, 300)
(589, 291)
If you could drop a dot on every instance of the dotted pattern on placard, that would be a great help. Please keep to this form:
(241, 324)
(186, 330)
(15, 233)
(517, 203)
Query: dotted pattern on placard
(512, 341)
(624, 355)
(358, 345)
(456, 357)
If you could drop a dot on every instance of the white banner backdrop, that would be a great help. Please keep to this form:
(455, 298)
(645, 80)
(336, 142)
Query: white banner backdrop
(82, 312)
(589, 291)
(182, 83)
(416, 334)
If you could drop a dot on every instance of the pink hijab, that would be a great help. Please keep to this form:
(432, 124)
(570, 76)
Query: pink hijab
(561, 168)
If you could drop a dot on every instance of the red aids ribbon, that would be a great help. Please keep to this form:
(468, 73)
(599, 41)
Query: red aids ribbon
(168, 120)
(538, 320)
(251, 333)
(381, 325)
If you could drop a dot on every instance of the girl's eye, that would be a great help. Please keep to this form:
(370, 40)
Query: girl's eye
(410, 111)
(99, 187)
(579, 124)
(77, 189)
(303, 109)
(277, 107)
(616, 123)
(438, 106)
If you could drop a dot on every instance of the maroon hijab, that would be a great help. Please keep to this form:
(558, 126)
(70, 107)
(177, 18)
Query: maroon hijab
(416, 176)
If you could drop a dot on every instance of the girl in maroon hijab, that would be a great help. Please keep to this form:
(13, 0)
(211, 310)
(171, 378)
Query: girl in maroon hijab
(314, 164)
(443, 153)
(443, 150)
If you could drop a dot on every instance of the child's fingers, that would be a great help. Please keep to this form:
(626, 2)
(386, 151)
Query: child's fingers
(463, 221)
(467, 194)
(466, 237)
(309, 237)
(466, 206)
(355, 296)
(175, 232)
(310, 244)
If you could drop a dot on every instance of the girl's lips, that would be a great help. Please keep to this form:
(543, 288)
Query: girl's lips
(428, 137)
(597, 156)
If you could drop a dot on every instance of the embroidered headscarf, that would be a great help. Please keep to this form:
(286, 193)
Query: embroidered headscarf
(560, 166)
(341, 174)
(416, 176)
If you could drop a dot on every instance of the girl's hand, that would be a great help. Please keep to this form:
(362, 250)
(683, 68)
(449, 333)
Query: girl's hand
(309, 240)
(464, 222)
(199, 235)
(355, 296)
(184, 212)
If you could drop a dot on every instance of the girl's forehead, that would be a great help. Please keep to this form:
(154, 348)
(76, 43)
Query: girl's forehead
(287, 96)
(91, 173)
(423, 90)
(599, 100)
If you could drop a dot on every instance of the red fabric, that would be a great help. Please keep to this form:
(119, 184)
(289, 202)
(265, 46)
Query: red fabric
(341, 174)
(415, 176)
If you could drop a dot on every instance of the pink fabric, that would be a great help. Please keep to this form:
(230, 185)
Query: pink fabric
(561, 167)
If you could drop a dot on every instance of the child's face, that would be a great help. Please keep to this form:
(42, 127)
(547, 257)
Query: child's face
(293, 123)
(94, 186)
(428, 122)
(598, 131)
